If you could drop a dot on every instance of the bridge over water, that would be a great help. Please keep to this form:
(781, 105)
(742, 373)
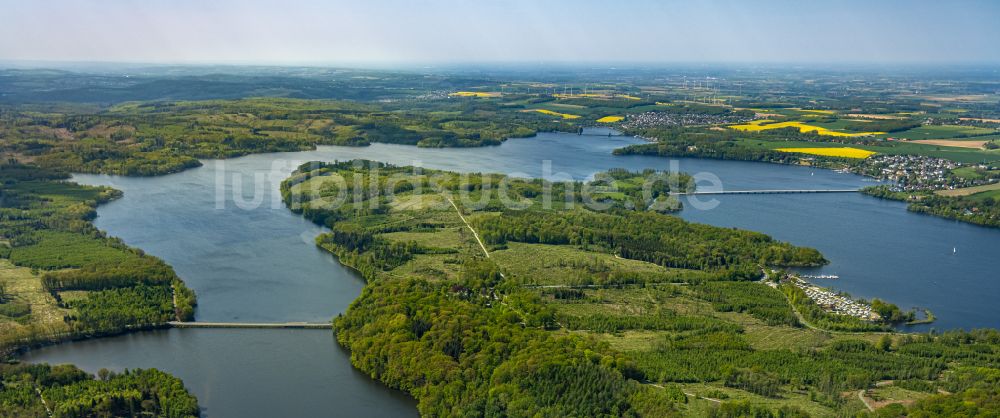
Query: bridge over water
(300, 325)
(767, 191)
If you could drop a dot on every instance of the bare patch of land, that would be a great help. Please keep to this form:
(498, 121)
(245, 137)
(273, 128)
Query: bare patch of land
(969, 190)
(981, 120)
(42, 315)
(952, 143)
(956, 98)
(873, 116)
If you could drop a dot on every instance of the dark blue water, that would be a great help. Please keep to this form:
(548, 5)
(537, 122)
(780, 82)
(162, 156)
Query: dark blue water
(881, 250)
(223, 228)
(246, 372)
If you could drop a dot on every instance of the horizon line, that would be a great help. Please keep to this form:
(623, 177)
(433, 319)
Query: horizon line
(39, 64)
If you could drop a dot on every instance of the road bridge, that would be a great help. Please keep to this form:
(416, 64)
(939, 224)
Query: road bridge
(778, 191)
(199, 324)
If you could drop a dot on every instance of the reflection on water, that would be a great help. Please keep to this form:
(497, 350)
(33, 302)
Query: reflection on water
(246, 372)
(249, 259)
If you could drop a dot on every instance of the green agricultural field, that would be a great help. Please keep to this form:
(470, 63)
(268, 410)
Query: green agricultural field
(969, 173)
(994, 194)
(942, 132)
(835, 125)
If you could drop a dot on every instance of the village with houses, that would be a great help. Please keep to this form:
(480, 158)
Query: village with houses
(917, 173)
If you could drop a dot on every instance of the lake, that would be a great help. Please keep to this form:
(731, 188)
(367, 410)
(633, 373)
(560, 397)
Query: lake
(249, 259)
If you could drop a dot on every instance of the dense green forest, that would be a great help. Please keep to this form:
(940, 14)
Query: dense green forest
(646, 236)
(545, 325)
(62, 277)
(977, 209)
(734, 145)
(165, 137)
(64, 391)
(681, 142)
(582, 300)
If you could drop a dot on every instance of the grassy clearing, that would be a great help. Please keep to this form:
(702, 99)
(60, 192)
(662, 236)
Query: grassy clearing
(701, 407)
(995, 194)
(631, 340)
(629, 304)
(430, 266)
(450, 237)
(24, 287)
(419, 202)
(429, 222)
(539, 264)
(610, 307)
(969, 173)
(890, 394)
(672, 297)
(72, 295)
(764, 337)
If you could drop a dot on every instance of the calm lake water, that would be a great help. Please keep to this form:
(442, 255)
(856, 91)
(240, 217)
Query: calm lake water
(224, 230)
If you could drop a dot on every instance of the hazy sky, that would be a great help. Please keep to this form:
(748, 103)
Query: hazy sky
(447, 31)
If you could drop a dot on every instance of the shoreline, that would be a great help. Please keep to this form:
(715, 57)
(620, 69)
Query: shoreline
(928, 318)
(17, 349)
(836, 166)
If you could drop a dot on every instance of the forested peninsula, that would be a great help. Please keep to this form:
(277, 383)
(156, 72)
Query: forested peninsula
(477, 308)
(64, 280)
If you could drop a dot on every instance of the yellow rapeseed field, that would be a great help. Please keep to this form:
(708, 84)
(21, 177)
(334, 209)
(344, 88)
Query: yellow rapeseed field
(549, 112)
(610, 119)
(758, 125)
(846, 152)
(475, 94)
